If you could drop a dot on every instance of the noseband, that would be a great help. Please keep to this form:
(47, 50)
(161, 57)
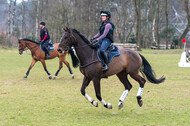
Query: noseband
(24, 49)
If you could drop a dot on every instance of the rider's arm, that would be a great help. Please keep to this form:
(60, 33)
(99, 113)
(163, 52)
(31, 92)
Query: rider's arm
(45, 35)
(106, 30)
(97, 35)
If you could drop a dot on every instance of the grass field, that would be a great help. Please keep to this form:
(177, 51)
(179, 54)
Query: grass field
(38, 101)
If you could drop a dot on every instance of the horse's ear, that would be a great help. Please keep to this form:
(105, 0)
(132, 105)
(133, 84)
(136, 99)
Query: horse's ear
(67, 29)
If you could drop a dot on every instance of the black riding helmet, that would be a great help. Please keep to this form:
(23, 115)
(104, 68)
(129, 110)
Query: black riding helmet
(42, 23)
(106, 13)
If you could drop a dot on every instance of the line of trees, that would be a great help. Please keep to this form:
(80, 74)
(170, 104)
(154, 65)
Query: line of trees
(144, 22)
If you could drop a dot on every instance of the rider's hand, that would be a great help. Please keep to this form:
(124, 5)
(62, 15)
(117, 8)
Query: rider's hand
(94, 41)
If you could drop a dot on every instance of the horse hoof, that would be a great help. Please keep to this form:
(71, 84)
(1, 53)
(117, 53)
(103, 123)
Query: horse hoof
(25, 77)
(54, 77)
(120, 105)
(95, 103)
(140, 103)
(109, 106)
(50, 77)
(73, 76)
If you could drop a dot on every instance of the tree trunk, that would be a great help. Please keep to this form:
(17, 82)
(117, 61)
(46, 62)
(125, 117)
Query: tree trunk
(146, 26)
(157, 24)
(14, 9)
(37, 17)
(138, 25)
(186, 3)
(23, 19)
(166, 13)
(9, 19)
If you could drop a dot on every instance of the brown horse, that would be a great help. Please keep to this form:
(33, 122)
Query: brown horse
(127, 63)
(39, 55)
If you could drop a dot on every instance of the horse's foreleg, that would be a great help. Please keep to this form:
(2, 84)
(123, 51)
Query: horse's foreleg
(60, 66)
(31, 65)
(44, 65)
(68, 66)
(123, 78)
(85, 83)
(141, 82)
(96, 83)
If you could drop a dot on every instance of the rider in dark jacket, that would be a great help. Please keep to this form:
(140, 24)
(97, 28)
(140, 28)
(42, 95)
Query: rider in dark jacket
(44, 38)
(104, 37)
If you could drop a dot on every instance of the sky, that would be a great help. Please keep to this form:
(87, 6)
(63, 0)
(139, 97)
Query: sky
(18, 1)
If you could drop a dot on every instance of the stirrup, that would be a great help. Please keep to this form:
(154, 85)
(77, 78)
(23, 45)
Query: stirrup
(48, 56)
(105, 67)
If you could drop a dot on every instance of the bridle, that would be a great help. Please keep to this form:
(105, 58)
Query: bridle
(70, 39)
(25, 49)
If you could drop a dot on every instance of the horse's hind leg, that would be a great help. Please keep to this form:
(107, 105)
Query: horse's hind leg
(44, 65)
(141, 82)
(96, 83)
(68, 66)
(85, 83)
(123, 78)
(32, 64)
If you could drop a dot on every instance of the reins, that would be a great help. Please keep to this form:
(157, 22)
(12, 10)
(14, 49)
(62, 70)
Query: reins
(85, 65)
(30, 48)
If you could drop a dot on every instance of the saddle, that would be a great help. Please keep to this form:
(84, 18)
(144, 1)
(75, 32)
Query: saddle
(112, 52)
(50, 46)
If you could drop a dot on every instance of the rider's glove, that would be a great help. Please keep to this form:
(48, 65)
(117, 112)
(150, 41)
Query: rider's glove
(94, 41)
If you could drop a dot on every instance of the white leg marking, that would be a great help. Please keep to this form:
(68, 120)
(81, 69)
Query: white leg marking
(73, 76)
(103, 102)
(140, 91)
(124, 95)
(88, 97)
(122, 98)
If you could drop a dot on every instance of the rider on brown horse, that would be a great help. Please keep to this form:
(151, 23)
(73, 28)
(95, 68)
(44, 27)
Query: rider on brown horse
(44, 38)
(105, 36)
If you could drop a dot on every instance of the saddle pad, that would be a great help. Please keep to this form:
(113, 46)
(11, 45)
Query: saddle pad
(50, 47)
(111, 54)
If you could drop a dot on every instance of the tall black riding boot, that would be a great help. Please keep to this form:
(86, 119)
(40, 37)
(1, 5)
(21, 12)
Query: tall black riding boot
(47, 52)
(105, 65)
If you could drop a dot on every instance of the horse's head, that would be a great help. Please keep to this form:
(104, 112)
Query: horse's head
(22, 46)
(67, 41)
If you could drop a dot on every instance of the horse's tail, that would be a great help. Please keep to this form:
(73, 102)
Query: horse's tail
(75, 60)
(146, 70)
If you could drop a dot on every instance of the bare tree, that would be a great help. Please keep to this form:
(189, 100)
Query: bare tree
(9, 19)
(186, 3)
(23, 18)
(14, 10)
(166, 13)
(137, 4)
(37, 17)
(158, 22)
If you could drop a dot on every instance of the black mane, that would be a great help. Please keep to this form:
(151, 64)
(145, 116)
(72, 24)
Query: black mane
(26, 39)
(82, 36)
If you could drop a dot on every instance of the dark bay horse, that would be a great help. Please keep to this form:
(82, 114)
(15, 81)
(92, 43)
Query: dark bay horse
(127, 63)
(39, 55)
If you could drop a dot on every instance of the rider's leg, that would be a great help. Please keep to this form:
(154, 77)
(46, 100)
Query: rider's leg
(105, 44)
(46, 49)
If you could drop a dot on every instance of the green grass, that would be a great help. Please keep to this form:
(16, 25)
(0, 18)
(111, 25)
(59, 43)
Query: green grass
(38, 101)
